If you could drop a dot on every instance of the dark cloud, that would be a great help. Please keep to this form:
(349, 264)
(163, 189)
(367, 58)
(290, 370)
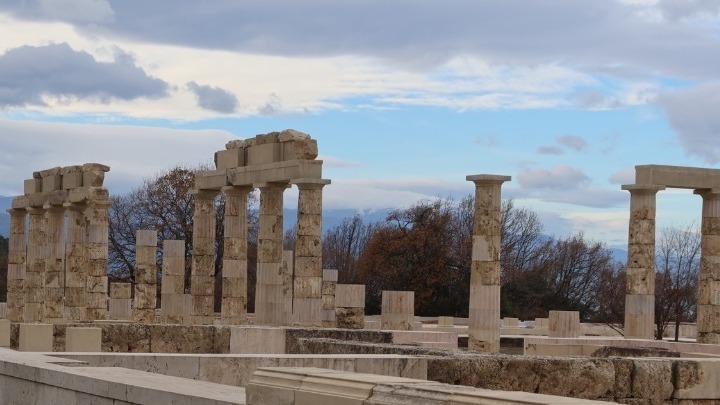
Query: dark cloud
(420, 34)
(572, 142)
(693, 113)
(214, 98)
(28, 73)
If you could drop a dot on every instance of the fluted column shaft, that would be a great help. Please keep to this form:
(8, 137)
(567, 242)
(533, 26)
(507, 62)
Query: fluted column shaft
(16, 265)
(202, 276)
(53, 311)
(96, 287)
(235, 255)
(35, 270)
(640, 287)
(484, 311)
(307, 289)
(76, 258)
(708, 312)
(270, 290)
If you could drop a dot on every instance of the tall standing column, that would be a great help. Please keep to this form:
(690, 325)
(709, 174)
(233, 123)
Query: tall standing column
(16, 266)
(708, 312)
(173, 281)
(97, 259)
(307, 292)
(234, 270)
(76, 263)
(35, 270)
(269, 291)
(640, 287)
(202, 276)
(484, 322)
(53, 311)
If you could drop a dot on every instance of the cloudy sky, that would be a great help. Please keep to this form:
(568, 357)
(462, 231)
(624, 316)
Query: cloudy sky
(405, 97)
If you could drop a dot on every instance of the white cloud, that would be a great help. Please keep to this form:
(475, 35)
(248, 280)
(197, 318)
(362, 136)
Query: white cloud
(131, 152)
(624, 176)
(559, 177)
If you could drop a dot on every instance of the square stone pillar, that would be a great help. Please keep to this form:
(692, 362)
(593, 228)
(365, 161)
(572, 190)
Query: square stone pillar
(397, 310)
(270, 288)
(145, 300)
(484, 311)
(235, 255)
(76, 262)
(173, 281)
(350, 306)
(308, 277)
(35, 270)
(202, 276)
(79, 339)
(640, 287)
(120, 303)
(564, 324)
(329, 283)
(54, 303)
(96, 289)
(35, 337)
(708, 305)
(16, 265)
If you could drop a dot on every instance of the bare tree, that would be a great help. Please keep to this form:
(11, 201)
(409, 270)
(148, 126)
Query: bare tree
(343, 245)
(677, 263)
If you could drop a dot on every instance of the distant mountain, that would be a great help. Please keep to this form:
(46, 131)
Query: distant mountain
(5, 203)
(334, 217)
(619, 255)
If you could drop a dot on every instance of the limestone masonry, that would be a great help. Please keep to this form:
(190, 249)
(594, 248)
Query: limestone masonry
(309, 340)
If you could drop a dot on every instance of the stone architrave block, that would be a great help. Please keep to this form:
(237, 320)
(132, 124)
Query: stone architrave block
(35, 337)
(265, 153)
(446, 321)
(4, 333)
(79, 339)
(510, 322)
(227, 159)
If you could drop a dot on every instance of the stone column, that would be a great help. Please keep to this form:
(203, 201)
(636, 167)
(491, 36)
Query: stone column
(16, 265)
(397, 310)
(173, 281)
(96, 288)
(640, 287)
(350, 306)
(307, 291)
(53, 311)
(708, 311)
(145, 300)
(35, 270)
(202, 276)
(234, 270)
(329, 282)
(76, 262)
(484, 319)
(269, 291)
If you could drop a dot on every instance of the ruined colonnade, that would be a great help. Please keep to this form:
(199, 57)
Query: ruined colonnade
(271, 163)
(57, 273)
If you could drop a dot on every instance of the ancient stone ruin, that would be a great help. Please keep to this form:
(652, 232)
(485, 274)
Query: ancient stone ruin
(309, 340)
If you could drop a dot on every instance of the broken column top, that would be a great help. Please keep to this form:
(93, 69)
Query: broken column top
(59, 185)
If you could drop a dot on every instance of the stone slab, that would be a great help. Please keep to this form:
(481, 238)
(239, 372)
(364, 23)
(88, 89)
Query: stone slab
(79, 339)
(35, 337)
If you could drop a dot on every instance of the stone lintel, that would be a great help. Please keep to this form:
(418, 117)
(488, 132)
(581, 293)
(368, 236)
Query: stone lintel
(57, 207)
(205, 194)
(54, 171)
(283, 171)
(640, 188)
(272, 184)
(71, 169)
(211, 179)
(677, 176)
(479, 179)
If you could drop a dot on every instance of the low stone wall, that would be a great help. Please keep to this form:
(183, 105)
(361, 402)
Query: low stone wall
(627, 380)
(236, 369)
(31, 378)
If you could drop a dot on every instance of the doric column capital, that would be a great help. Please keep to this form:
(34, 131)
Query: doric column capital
(642, 189)
(311, 184)
(487, 179)
(72, 206)
(35, 210)
(17, 212)
(269, 186)
(708, 193)
(205, 194)
(54, 208)
(237, 190)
